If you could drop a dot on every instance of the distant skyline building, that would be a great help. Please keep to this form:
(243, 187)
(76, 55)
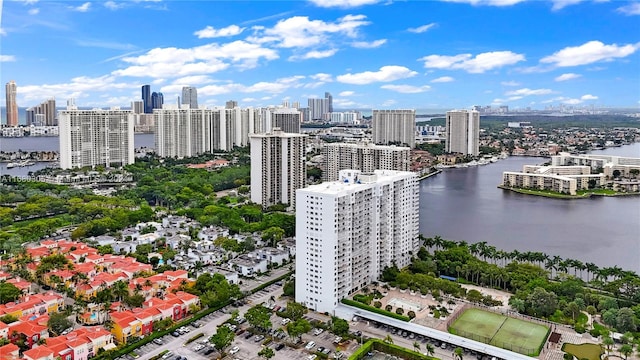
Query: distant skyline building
(137, 107)
(394, 127)
(157, 100)
(190, 96)
(462, 129)
(11, 92)
(349, 230)
(288, 120)
(146, 99)
(366, 157)
(278, 167)
(231, 104)
(44, 114)
(95, 137)
(320, 108)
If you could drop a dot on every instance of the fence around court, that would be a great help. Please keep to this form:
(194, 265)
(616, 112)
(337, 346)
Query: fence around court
(501, 344)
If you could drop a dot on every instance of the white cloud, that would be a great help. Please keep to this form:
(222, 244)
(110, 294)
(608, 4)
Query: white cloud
(314, 54)
(82, 8)
(322, 77)
(567, 76)
(209, 32)
(342, 3)
(407, 89)
(78, 87)
(3, 32)
(510, 83)
(630, 9)
(347, 93)
(175, 62)
(389, 102)
(588, 97)
(112, 5)
(514, 98)
(475, 65)
(33, 11)
(443, 79)
(528, 92)
(421, 29)
(590, 52)
(385, 74)
(299, 31)
(487, 2)
(368, 45)
(560, 4)
(571, 101)
(7, 58)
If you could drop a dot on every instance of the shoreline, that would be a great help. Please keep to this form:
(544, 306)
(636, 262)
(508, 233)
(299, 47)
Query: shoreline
(563, 196)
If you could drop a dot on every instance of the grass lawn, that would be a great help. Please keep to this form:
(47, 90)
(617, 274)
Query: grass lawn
(520, 336)
(498, 330)
(584, 351)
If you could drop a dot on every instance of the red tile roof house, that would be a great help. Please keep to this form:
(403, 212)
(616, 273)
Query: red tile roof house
(9, 352)
(30, 332)
(39, 353)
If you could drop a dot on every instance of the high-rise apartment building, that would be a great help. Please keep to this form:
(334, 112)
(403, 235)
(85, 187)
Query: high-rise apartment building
(157, 100)
(319, 108)
(288, 120)
(394, 127)
(146, 99)
(137, 107)
(349, 230)
(278, 167)
(463, 132)
(190, 96)
(11, 92)
(43, 115)
(365, 157)
(329, 98)
(182, 133)
(231, 104)
(95, 137)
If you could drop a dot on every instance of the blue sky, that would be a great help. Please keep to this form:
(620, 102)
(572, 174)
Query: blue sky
(367, 53)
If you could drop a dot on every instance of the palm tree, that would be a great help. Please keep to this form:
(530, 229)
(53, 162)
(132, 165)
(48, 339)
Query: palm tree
(608, 342)
(457, 353)
(388, 339)
(626, 350)
(120, 289)
(416, 346)
(430, 349)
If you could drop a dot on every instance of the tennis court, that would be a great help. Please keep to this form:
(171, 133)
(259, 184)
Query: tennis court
(498, 330)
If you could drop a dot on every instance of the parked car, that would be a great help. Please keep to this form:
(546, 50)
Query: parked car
(234, 350)
(310, 345)
(157, 341)
(258, 338)
(279, 346)
(318, 331)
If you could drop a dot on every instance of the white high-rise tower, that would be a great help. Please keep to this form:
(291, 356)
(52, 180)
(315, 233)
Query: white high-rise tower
(463, 132)
(348, 231)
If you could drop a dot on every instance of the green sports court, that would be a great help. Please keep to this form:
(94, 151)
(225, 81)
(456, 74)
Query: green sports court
(498, 330)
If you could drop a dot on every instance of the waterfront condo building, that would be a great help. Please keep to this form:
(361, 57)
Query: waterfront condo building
(364, 156)
(394, 127)
(348, 231)
(11, 91)
(278, 167)
(463, 132)
(95, 137)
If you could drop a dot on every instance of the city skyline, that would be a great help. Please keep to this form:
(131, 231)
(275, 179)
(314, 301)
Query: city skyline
(366, 53)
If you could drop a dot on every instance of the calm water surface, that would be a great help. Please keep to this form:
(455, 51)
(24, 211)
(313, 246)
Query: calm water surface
(465, 204)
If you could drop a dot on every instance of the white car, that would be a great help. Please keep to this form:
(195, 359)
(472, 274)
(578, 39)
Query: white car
(285, 321)
(234, 350)
(318, 331)
(310, 345)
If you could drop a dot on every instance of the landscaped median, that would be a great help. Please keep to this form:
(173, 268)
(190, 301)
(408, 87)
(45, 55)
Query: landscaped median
(387, 348)
(375, 310)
